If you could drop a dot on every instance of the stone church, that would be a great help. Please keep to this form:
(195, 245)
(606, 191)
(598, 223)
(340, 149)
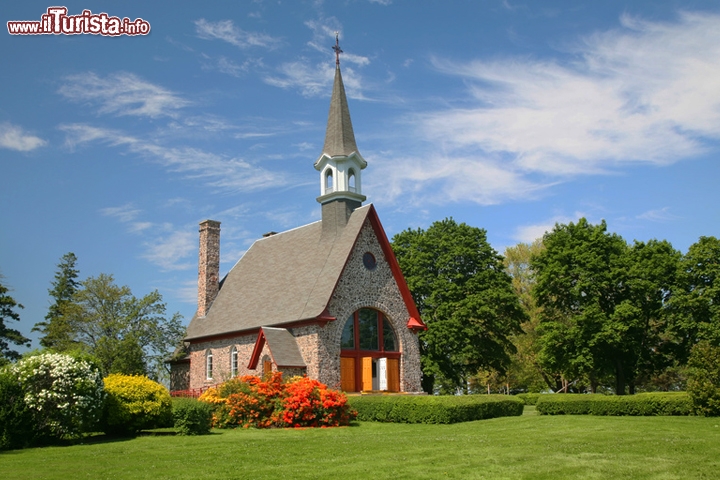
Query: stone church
(326, 300)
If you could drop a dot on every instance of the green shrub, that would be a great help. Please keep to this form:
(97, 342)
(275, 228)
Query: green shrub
(63, 392)
(704, 379)
(16, 426)
(191, 417)
(643, 404)
(134, 403)
(434, 409)
(529, 398)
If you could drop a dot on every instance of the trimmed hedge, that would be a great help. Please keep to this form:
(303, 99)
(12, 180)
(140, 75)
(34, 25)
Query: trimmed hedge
(434, 409)
(642, 404)
(529, 398)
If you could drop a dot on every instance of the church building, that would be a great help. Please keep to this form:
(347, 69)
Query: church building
(326, 300)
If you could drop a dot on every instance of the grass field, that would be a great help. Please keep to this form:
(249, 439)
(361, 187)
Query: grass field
(530, 446)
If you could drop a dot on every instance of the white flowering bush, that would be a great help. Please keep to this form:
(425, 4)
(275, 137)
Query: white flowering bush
(65, 394)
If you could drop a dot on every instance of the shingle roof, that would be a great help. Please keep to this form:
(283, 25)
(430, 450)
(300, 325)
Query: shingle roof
(283, 278)
(339, 135)
(283, 347)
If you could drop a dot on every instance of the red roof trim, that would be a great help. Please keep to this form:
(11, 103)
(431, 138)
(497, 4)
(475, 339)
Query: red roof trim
(395, 268)
(415, 324)
(257, 350)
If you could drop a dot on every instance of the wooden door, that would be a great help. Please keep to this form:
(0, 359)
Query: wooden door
(367, 373)
(347, 374)
(393, 375)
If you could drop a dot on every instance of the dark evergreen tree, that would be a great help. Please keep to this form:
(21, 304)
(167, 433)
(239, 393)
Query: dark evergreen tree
(8, 311)
(56, 333)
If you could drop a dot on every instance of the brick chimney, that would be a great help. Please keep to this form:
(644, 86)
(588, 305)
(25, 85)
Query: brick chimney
(208, 265)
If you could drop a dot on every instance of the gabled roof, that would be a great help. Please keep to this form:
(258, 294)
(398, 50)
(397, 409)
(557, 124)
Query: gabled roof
(283, 348)
(339, 135)
(283, 278)
(290, 277)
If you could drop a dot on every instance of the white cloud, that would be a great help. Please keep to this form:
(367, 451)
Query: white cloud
(658, 215)
(644, 93)
(441, 179)
(124, 213)
(172, 251)
(381, 2)
(315, 80)
(15, 138)
(122, 94)
(226, 31)
(216, 171)
(530, 233)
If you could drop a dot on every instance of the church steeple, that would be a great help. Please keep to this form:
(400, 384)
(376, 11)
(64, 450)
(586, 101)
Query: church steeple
(340, 162)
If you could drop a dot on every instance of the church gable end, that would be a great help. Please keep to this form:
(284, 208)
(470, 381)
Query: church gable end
(364, 285)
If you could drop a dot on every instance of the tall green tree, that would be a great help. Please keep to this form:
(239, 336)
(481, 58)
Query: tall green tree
(525, 371)
(126, 334)
(581, 278)
(466, 299)
(8, 311)
(696, 301)
(647, 347)
(55, 331)
(604, 305)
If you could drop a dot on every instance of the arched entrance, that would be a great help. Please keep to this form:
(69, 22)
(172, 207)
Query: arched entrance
(369, 353)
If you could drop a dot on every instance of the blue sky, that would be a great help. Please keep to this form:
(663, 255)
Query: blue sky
(505, 115)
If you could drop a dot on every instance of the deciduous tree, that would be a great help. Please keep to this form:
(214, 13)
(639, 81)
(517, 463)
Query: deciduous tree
(695, 303)
(466, 299)
(126, 334)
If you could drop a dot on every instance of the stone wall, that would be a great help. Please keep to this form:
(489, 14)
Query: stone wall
(359, 287)
(180, 376)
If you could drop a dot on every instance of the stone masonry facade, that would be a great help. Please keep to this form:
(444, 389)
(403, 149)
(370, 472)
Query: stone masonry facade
(358, 287)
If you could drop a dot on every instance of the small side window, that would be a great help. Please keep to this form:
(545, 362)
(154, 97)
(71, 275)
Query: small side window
(209, 366)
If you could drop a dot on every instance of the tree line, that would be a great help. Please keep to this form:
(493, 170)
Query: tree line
(123, 333)
(579, 310)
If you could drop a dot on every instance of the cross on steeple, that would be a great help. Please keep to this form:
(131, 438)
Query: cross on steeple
(337, 49)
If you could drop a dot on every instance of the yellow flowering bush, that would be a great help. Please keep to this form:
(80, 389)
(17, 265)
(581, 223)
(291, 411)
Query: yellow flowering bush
(134, 403)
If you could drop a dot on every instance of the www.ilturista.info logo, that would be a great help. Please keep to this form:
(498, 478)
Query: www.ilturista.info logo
(56, 22)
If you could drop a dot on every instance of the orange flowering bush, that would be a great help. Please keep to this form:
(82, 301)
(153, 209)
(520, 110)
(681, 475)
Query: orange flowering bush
(250, 401)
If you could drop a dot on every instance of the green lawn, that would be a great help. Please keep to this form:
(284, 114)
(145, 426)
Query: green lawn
(530, 446)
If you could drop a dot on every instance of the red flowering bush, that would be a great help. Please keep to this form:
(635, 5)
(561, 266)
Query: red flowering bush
(253, 402)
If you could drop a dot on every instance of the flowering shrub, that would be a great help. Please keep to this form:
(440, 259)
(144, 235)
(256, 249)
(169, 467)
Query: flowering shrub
(135, 402)
(252, 402)
(64, 394)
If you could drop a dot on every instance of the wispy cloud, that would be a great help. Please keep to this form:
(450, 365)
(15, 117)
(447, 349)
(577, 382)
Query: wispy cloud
(315, 79)
(458, 179)
(124, 213)
(226, 31)
(530, 233)
(658, 215)
(644, 93)
(15, 138)
(122, 93)
(216, 170)
(173, 251)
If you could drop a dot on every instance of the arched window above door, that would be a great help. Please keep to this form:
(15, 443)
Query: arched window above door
(368, 330)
